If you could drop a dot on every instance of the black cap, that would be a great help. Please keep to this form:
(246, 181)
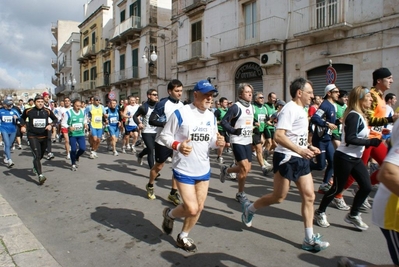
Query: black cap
(380, 73)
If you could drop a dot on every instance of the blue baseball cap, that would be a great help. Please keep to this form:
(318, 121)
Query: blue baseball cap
(204, 87)
(8, 102)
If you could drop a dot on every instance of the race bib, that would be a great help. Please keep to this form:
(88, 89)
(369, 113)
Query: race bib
(7, 119)
(261, 117)
(246, 131)
(98, 119)
(77, 126)
(200, 133)
(113, 120)
(302, 141)
(39, 123)
(377, 129)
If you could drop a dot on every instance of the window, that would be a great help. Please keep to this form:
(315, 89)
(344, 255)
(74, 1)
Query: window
(123, 15)
(122, 62)
(85, 41)
(86, 75)
(135, 63)
(196, 38)
(93, 38)
(134, 9)
(93, 73)
(250, 21)
(107, 71)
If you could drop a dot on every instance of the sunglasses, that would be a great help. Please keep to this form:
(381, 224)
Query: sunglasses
(261, 97)
(154, 94)
(334, 92)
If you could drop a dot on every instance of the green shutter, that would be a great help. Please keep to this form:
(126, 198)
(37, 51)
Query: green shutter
(135, 63)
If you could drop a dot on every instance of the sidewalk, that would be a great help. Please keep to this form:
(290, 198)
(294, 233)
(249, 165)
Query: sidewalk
(19, 247)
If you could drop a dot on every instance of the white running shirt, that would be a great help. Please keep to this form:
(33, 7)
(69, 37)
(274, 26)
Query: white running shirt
(294, 119)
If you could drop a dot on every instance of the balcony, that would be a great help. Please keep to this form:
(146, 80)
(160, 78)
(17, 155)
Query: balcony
(87, 53)
(54, 63)
(124, 76)
(270, 31)
(88, 85)
(54, 29)
(65, 65)
(127, 30)
(193, 7)
(192, 53)
(323, 18)
(59, 89)
(54, 80)
(54, 47)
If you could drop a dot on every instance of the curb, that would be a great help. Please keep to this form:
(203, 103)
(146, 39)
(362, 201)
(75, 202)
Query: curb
(18, 246)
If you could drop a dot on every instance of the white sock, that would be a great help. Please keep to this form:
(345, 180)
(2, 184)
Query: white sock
(183, 235)
(308, 233)
(251, 208)
(170, 214)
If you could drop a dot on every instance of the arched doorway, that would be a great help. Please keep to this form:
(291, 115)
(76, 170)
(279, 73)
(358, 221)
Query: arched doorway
(251, 73)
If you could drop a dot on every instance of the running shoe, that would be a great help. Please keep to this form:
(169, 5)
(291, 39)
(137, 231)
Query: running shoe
(340, 204)
(133, 149)
(247, 215)
(186, 243)
(50, 156)
(223, 173)
(345, 262)
(323, 188)
(5, 160)
(220, 160)
(242, 198)
(68, 156)
(150, 192)
(366, 204)
(92, 155)
(268, 165)
(42, 179)
(74, 168)
(169, 160)
(167, 224)
(10, 163)
(124, 149)
(314, 243)
(95, 154)
(175, 198)
(13, 147)
(265, 170)
(116, 153)
(356, 221)
(19, 147)
(321, 219)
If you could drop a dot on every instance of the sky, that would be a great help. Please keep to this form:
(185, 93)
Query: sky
(25, 44)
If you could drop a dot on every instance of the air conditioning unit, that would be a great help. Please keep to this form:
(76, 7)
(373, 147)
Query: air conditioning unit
(270, 59)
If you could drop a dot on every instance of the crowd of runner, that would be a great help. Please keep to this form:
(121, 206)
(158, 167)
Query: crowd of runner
(345, 134)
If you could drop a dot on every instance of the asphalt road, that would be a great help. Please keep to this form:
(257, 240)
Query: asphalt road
(100, 216)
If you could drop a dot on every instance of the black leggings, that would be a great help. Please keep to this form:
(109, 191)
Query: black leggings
(38, 147)
(149, 141)
(344, 166)
(49, 134)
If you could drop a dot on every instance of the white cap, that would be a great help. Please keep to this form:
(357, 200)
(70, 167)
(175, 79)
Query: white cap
(328, 89)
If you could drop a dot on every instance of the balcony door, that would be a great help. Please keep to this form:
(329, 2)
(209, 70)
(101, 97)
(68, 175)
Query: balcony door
(326, 13)
(196, 39)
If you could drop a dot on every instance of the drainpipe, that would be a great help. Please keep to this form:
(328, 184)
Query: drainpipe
(285, 52)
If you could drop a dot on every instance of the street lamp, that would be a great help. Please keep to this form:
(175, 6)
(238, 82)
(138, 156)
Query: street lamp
(71, 82)
(152, 55)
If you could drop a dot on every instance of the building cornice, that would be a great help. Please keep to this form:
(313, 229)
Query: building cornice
(98, 10)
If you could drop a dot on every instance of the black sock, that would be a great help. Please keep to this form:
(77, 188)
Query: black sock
(150, 185)
(173, 191)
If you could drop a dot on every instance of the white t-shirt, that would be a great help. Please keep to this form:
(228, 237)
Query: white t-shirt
(294, 119)
(389, 113)
(245, 121)
(386, 203)
(198, 126)
(130, 112)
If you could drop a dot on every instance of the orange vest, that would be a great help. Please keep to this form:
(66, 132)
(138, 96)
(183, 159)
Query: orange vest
(379, 112)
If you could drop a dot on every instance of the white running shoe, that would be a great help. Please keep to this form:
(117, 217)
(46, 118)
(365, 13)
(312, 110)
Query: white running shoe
(116, 153)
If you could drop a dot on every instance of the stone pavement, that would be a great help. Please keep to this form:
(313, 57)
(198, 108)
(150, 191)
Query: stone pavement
(19, 247)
